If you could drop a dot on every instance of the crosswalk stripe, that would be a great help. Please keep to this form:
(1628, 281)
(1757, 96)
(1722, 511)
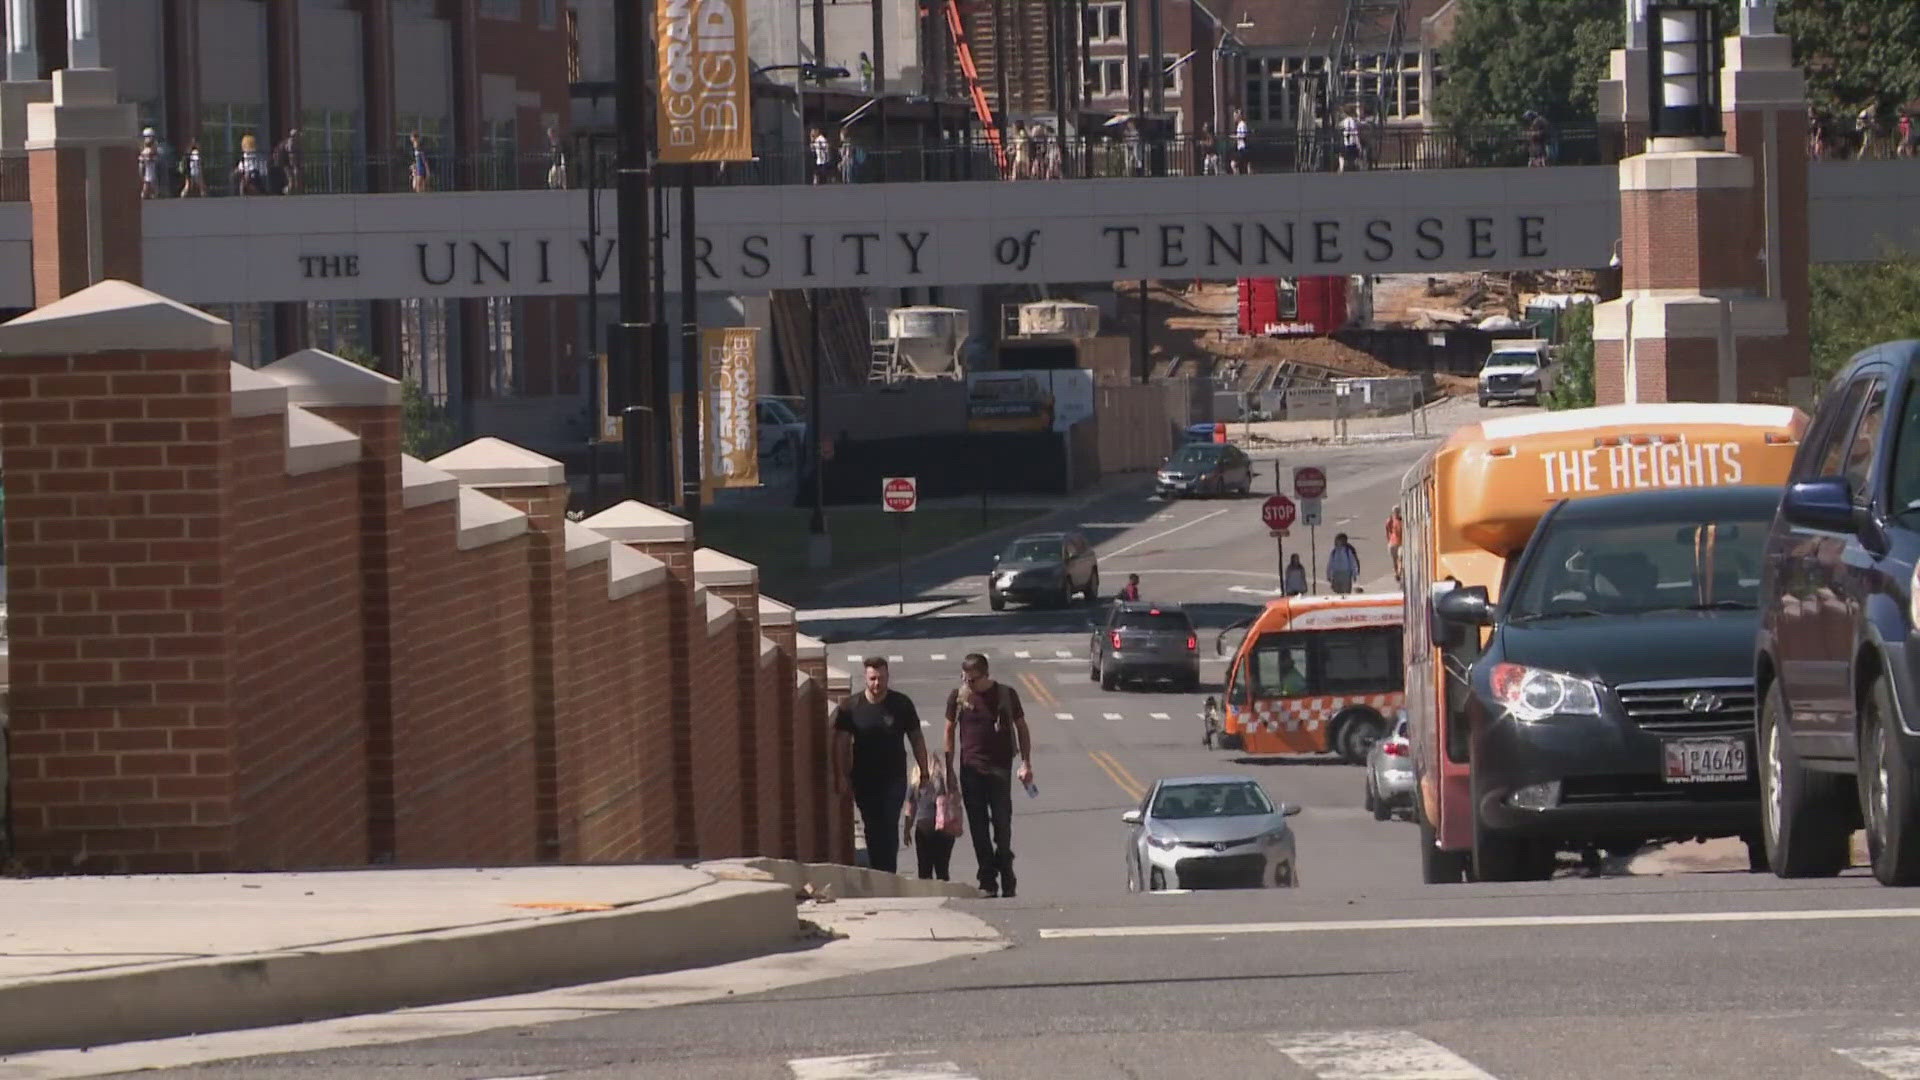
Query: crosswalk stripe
(1897, 1057)
(1375, 1055)
(896, 659)
(1068, 653)
(875, 1067)
(1023, 655)
(1063, 716)
(938, 656)
(853, 658)
(1112, 716)
(1160, 716)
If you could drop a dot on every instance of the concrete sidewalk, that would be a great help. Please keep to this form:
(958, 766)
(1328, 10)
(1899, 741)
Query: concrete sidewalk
(1436, 419)
(90, 961)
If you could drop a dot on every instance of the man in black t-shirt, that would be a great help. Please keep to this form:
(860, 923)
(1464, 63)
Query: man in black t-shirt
(871, 731)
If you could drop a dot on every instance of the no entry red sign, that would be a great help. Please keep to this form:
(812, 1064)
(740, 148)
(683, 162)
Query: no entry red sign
(1309, 482)
(899, 494)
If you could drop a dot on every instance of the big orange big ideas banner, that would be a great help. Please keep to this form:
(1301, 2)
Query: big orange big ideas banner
(732, 433)
(705, 98)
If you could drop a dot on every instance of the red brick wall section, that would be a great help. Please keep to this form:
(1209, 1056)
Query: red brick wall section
(810, 762)
(1689, 366)
(550, 642)
(756, 801)
(56, 182)
(1688, 240)
(840, 808)
(601, 747)
(299, 745)
(786, 728)
(1609, 372)
(717, 791)
(118, 570)
(463, 708)
(656, 781)
(770, 706)
(678, 558)
(1746, 135)
(380, 511)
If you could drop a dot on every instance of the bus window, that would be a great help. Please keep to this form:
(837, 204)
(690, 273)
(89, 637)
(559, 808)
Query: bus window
(1280, 667)
(1237, 695)
(1359, 662)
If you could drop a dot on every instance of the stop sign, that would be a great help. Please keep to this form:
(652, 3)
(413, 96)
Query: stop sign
(1309, 482)
(899, 494)
(1278, 512)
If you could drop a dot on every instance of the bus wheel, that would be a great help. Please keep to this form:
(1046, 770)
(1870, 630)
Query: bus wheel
(1439, 867)
(1355, 733)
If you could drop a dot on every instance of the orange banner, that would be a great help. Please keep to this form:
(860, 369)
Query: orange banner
(706, 96)
(732, 435)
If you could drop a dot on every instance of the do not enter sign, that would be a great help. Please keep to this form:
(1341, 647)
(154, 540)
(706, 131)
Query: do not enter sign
(1278, 512)
(899, 494)
(1309, 482)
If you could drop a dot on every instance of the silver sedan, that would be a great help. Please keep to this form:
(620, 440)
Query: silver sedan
(1390, 775)
(1209, 832)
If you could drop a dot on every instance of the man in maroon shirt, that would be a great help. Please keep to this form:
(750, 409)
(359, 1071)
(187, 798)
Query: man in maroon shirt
(987, 719)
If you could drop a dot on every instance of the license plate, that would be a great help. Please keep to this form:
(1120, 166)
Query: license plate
(1693, 761)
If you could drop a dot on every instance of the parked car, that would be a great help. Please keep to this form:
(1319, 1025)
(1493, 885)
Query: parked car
(1837, 661)
(1044, 567)
(1205, 469)
(1210, 832)
(1390, 775)
(1141, 642)
(1516, 371)
(783, 435)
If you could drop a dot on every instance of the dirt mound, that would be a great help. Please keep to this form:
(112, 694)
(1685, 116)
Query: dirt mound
(1320, 352)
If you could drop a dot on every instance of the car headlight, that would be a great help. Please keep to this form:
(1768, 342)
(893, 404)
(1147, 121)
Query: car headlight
(1530, 694)
(1164, 843)
(1274, 837)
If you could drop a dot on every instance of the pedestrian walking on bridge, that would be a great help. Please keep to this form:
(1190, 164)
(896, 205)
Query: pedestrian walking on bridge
(871, 733)
(986, 719)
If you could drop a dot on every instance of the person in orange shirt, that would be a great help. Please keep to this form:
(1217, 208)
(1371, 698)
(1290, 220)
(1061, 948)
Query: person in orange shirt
(1393, 540)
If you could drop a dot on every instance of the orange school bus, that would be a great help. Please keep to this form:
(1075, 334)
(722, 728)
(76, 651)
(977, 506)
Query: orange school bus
(1316, 675)
(1470, 507)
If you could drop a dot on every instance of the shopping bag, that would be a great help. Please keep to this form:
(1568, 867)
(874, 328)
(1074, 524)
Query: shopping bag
(949, 815)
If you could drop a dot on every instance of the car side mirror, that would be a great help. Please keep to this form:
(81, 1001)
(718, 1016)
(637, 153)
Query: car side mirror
(1288, 809)
(1823, 504)
(1465, 606)
(1131, 817)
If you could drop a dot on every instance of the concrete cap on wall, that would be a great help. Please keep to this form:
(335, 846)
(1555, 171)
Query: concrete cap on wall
(315, 444)
(486, 520)
(630, 571)
(497, 463)
(1685, 170)
(720, 614)
(423, 485)
(584, 546)
(85, 111)
(838, 680)
(717, 568)
(314, 377)
(802, 681)
(635, 522)
(775, 613)
(769, 650)
(253, 393)
(809, 648)
(113, 316)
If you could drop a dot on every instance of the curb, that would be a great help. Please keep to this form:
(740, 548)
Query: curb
(712, 923)
(874, 622)
(835, 880)
(829, 587)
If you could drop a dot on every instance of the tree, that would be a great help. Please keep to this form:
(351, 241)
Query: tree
(1855, 306)
(427, 429)
(1856, 52)
(1573, 386)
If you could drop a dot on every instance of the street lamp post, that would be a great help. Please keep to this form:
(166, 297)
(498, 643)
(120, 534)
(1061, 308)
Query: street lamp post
(633, 52)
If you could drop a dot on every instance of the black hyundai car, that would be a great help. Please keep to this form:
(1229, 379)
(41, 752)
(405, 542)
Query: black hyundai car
(1614, 703)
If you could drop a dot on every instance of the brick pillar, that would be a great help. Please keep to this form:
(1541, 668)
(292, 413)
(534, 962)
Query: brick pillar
(839, 810)
(367, 404)
(115, 409)
(537, 487)
(738, 583)
(83, 167)
(811, 759)
(777, 624)
(668, 539)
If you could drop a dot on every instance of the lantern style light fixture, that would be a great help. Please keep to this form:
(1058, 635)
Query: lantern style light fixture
(1684, 66)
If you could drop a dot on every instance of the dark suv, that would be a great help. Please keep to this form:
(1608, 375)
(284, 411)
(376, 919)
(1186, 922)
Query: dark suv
(1836, 663)
(1144, 642)
(1044, 568)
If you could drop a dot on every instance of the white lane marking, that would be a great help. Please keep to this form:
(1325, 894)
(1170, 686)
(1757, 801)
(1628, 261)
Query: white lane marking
(853, 658)
(1268, 574)
(1896, 1056)
(937, 656)
(1064, 653)
(1111, 715)
(1375, 1055)
(1023, 655)
(1160, 716)
(1161, 535)
(1063, 716)
(1483, 922)
(896, 659)
(875, 1067)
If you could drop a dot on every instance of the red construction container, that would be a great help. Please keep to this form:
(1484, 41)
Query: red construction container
(1322, 303)
(1259, 304)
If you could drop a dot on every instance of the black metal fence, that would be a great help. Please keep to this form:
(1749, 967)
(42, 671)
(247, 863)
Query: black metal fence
(1080, 157)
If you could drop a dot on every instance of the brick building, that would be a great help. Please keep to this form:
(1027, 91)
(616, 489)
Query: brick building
(480, 80)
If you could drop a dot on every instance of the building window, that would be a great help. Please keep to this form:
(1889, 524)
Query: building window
(505, 374)
(500, 9)
(330, 151)
(337, 326)
(1105, 22)
(1410, 94)
(252, 344)
(424, 344)
(499, 156)
(1169, 79)
(549, 13)
(222, 127)
(1106, 78)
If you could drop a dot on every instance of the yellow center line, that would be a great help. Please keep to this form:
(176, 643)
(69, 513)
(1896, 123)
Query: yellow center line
(1040, 691)
(1118, 775)
(1124, 771)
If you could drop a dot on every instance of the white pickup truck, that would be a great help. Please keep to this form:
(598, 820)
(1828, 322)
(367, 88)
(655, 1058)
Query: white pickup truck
(1517, 370)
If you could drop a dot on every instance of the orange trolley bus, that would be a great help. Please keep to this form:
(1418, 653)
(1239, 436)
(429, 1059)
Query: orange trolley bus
(1316, 674)
(1471, 506)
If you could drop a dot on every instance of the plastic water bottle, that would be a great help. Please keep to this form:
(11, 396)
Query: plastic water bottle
(1031, 790)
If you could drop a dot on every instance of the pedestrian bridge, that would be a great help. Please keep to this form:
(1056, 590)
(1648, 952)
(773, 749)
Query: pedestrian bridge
(754, 239)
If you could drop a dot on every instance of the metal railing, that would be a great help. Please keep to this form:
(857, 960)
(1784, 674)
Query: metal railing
(1081, 157)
